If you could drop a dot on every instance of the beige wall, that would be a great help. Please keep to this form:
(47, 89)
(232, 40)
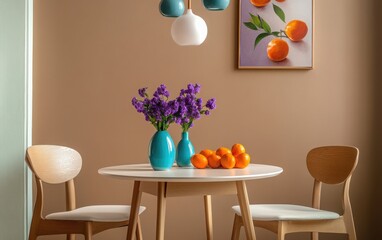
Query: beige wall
(91, 56)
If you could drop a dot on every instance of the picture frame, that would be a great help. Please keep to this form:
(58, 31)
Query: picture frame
(275, 34)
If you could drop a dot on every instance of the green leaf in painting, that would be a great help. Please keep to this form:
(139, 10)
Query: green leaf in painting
(276, 34)
(260, 37)
(279, 12)
(250, 25)
(256, 20)
(265, 25)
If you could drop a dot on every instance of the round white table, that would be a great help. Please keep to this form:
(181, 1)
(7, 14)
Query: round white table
(188, 182)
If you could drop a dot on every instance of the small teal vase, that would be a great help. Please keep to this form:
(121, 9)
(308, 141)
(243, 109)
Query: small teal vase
(171, 8)
(216, 5)
(161, 151)
(184, 151)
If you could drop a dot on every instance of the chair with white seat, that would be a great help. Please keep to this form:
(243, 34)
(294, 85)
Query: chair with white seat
(329, 165)
(57, 164)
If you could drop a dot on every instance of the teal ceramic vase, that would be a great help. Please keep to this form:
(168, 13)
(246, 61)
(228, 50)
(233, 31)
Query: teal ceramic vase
(161, 151)
(171, 8)
(216, 5)
(184, 151)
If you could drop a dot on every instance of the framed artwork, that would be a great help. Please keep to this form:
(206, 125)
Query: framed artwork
(275, 34)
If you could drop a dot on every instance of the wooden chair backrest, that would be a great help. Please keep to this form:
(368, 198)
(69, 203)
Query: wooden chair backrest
(54, 164)
(332, 164)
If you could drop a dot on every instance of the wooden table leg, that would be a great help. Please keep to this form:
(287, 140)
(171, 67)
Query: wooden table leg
(134, 211)
(245, 211)
(161, 210)
(208, 215)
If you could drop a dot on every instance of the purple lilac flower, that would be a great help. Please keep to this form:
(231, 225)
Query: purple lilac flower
(199, 103)
(211, 104)
(142, 92)
(190, 88)
(191, 107)
(197, 88)
(158, 110)
(161, 91)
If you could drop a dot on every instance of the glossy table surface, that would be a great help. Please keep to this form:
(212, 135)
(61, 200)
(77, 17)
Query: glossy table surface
(144, 172)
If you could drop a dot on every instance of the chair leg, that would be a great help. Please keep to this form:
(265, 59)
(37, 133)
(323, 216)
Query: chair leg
(70, 237)
(237, 223)
(88, 231)
(280, 236)
(352, 235)
(32, 234)
(349, 224)
(314, 235)
(138, 232)
(34, 228)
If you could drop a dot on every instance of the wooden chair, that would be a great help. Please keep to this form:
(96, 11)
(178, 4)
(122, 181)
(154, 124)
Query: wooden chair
(329, 165)
(57, 164)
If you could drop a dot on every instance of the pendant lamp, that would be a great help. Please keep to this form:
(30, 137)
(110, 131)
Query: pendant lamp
(171, 8)
(189, 29)
(216, 5)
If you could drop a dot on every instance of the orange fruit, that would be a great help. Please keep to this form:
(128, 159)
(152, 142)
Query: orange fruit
(214, 160)
(228, 161)
(277, 50)
(199, 161)
(260, 3)
(242, 160)
(296, 30)
(206, 152)
(237, 149)
(222, 150)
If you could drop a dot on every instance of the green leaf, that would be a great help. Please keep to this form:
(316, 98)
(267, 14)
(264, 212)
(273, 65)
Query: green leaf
(260, 37)
(279, 12)
(265, 25)
(256, 20)
(250, 25)
(276, 34)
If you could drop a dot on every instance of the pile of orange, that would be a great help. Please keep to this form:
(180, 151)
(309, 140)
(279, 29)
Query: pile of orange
(236, 157)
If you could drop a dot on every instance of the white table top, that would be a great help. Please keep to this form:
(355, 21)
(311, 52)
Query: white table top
(144, 172)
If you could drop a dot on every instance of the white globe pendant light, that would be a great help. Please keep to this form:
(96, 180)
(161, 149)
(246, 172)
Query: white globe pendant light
(189, 29)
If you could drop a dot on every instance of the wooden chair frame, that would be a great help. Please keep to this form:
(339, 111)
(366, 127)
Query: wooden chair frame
(344, 224)
(42, 226)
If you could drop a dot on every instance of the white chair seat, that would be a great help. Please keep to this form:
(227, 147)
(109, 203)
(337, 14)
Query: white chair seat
(96, 213)
(275, 212)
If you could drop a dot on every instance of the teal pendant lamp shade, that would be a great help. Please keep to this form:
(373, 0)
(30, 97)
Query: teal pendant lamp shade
(171, 8)
(216, 5)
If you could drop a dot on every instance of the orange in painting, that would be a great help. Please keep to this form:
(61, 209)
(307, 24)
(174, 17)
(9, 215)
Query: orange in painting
(296, 30)
(277, 50)
(260, 3)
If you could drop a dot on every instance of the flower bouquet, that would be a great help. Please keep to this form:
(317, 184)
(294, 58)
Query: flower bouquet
(160, 111)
